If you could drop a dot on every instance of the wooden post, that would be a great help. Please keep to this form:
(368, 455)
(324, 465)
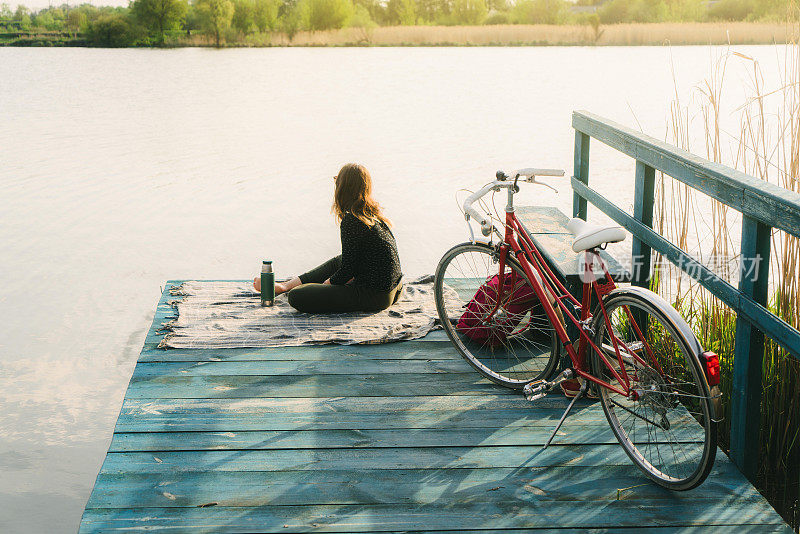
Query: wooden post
(581, 172)
(749, 349)
(643, 212)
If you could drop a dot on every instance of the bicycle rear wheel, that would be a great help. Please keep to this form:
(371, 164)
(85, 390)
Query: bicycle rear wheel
(516, 343)
(669, 431)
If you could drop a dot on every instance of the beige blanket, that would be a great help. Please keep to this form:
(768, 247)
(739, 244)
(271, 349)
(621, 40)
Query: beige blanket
(230, 315)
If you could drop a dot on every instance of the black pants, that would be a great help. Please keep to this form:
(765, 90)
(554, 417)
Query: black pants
(312, 296)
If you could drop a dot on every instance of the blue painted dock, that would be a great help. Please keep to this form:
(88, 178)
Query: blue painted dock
(402, 437)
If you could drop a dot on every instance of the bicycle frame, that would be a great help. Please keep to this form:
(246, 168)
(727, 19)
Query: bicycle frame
(619, 341)
(546, 283)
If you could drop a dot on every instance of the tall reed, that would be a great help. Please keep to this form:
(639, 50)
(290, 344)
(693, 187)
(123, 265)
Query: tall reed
(766, 145)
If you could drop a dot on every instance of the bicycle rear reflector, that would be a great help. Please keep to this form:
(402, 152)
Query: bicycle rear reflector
(710, 363)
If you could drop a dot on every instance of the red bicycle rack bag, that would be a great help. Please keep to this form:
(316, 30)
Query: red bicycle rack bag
(472, 323)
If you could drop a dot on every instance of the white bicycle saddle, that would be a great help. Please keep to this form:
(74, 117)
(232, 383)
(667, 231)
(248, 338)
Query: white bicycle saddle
(589, 236)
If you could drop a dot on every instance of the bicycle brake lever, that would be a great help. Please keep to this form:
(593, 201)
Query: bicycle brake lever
(471, 233)
(535, 181)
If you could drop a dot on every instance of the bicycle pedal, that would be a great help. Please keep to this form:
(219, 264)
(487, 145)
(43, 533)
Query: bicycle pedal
(536, 390)
(536, 397)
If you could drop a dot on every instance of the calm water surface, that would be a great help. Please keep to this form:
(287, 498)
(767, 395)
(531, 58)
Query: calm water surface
(120, 169)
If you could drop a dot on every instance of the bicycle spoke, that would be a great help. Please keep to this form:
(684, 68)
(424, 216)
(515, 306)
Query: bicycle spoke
(665, 426)
(633, 413)
(510, 339)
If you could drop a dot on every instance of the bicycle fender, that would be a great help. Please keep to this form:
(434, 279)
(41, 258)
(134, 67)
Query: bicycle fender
(691, 340)
(692, 343)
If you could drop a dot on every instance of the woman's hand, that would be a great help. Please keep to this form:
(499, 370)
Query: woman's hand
(328, 281)
(257, 283)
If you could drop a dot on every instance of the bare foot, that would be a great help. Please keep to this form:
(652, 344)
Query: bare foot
(288, 285)
(280, 288)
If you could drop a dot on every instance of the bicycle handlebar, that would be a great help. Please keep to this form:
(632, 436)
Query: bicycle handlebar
(469, 211)
(504, 181)
(529, 172)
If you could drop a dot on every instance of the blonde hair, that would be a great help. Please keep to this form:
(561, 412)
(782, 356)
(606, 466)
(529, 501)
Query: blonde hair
(354, 194)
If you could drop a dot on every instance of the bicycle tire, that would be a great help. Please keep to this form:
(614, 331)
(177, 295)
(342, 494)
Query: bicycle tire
(529, 354)
(670, 431)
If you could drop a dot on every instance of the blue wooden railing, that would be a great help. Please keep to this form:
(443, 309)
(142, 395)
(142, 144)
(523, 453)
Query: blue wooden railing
(763, 206)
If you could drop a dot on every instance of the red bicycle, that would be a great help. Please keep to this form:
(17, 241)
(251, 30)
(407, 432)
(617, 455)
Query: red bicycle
(511, 318)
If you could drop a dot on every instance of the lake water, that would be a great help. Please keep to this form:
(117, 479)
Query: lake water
(120, 169)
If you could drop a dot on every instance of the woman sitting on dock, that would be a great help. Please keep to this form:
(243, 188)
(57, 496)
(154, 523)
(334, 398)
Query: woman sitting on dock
(366, 275)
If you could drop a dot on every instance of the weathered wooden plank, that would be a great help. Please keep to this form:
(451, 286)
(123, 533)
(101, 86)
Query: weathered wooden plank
(226, 386)
(303, 368)
(453, 516)
(423, 349)
(644, 191)
(366, 459)
(764, 201)
(323, 421)
(580, 172)
(398, 486)
(586, 433)
(214, 415)
(501, 399)
(778, 329)
(542, 220)
(189, 415)
(749, 349)
(356, 438)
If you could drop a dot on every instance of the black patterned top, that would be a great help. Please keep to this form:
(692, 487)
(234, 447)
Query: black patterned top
(369, 255)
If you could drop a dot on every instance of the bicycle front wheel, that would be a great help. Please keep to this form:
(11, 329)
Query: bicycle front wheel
(511, 342)
(667, 427)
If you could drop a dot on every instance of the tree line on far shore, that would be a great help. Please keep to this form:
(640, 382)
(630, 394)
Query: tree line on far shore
(164, 22)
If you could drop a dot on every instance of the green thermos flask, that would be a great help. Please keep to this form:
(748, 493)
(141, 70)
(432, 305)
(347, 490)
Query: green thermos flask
(267, 284)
